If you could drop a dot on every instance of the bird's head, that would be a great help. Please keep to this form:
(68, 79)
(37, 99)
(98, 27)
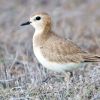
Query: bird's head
(40, 21)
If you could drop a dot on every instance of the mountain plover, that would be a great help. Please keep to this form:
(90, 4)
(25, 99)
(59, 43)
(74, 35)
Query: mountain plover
(52, 51)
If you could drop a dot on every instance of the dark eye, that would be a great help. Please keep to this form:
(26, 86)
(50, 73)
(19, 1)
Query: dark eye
(38, 18)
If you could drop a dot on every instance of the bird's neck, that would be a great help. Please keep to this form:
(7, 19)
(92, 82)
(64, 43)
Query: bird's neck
(43, 29)
(41, 35)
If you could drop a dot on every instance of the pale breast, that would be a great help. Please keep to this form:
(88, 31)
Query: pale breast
(58, 67)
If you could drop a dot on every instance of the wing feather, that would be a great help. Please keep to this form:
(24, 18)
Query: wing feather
(60, 50)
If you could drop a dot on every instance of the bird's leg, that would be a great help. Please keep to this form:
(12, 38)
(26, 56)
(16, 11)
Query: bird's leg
(46, 79)
(49, 76)
(68, 75)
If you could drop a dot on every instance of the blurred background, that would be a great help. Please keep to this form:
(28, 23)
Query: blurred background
(21, 76)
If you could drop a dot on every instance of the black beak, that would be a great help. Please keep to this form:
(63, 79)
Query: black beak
(26, 23)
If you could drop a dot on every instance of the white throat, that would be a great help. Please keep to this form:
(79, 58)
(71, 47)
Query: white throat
(38, 30)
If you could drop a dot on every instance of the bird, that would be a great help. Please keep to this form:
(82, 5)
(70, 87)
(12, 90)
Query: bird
(54, 52)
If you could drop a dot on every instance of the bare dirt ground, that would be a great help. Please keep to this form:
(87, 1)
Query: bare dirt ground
(21, 76)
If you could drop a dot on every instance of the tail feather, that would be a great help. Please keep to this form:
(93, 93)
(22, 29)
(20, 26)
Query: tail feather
(91, 58)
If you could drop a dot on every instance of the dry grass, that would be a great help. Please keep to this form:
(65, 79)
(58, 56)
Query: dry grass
(21, 77)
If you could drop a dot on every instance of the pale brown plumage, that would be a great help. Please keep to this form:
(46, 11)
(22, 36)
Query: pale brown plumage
(59, 50)
(54, 49)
